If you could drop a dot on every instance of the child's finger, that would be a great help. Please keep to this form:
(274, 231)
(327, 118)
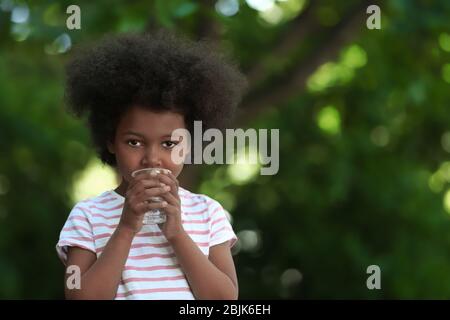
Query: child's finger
(147, 194)
(141, 207)
(140, 177)
(171, 199)
(154, 205)
(170, 175)
(141, 185)
(171, 210)
(170, 182)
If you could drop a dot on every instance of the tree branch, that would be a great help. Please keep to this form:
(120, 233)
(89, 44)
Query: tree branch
(207, 26)
(304, 24)
(294, 83)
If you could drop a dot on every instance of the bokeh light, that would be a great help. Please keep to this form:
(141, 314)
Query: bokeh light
(244, 169)
(95, 179)
(329, 120)
(227, 7)
(444, 41)
(380, 136)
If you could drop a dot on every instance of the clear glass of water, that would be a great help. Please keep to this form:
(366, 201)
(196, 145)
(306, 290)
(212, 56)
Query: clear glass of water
(154, 216)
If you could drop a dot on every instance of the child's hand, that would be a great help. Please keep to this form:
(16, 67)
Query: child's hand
(142, 188)
(173, 226)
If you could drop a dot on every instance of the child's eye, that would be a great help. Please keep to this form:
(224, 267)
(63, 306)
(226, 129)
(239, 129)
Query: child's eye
(169, 144)
(134, 143)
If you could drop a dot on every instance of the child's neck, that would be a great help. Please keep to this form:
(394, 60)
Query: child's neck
(122, 188)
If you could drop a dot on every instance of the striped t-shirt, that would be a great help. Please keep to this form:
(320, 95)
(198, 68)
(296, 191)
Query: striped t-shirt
(151, 270)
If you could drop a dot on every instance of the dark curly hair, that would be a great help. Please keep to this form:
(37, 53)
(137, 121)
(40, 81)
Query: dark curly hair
(161, 72)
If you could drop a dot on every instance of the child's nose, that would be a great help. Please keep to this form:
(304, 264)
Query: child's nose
(152, 158)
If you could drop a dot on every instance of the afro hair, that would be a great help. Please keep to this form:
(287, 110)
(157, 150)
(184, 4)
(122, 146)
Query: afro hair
(161, 72)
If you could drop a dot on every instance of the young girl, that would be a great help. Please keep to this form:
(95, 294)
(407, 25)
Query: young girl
(135, 91)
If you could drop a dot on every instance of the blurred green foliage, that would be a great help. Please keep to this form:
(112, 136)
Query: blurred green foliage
(364, 141)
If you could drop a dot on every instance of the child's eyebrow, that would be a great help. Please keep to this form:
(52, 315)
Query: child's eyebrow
(141, 135)
(133, 133)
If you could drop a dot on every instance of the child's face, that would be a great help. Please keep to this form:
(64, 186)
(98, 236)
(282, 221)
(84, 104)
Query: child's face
(143, 141)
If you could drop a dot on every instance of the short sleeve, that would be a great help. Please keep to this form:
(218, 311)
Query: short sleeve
(220, 226)
(77, 232)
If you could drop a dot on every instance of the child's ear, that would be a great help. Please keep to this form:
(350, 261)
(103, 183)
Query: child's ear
(110, 147)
